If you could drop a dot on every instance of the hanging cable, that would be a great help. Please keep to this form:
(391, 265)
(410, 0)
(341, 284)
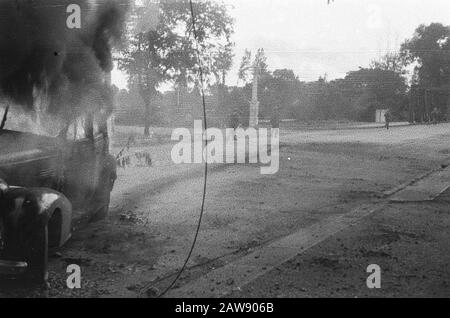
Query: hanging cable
(205, 181)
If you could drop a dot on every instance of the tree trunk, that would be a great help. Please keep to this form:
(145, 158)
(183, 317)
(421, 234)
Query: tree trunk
(147, 119)
(147, 110)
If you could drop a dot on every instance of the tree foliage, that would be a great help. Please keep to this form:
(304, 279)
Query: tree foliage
(391, 61)
(251, 66)
(170, 51)
(429, 49)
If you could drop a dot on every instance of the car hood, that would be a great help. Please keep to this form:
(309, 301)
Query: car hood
(17, 145)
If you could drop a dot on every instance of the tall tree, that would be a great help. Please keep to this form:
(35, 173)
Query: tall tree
(391, 61)
(376, 88)
(246, 64)
(278, 92)
(249, 66)
(428, 49)
(167, 52)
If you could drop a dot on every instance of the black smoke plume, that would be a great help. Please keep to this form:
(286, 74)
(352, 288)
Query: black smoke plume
(41, 56)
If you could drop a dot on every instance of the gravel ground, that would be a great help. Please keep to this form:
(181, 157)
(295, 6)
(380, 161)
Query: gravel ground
(154, 211)
(408, 241)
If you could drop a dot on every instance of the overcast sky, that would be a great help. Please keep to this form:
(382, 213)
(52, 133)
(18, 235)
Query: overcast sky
(314, 38)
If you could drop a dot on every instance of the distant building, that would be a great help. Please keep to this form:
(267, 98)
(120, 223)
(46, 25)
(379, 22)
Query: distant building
(380, 115)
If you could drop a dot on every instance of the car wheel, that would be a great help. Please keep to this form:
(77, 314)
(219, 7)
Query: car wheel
(38, 256)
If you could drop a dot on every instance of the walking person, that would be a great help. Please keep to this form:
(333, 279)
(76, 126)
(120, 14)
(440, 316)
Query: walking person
(387, 119)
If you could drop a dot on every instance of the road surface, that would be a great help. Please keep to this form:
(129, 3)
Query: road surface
(325, 178)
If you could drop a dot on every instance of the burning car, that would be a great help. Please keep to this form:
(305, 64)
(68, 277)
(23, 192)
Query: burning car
(52, 179)
(48, 185)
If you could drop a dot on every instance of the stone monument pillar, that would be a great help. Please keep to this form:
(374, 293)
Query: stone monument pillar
(254, 103)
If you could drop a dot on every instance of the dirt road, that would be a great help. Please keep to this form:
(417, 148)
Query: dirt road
(323, 175)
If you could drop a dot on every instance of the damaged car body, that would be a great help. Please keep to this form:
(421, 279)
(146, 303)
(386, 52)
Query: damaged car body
(48, 185)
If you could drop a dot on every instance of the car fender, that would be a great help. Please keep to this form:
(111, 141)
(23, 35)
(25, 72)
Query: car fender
(27, 206)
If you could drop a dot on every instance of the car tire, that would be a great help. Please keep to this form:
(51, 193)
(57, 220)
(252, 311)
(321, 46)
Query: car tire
(38, 256)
